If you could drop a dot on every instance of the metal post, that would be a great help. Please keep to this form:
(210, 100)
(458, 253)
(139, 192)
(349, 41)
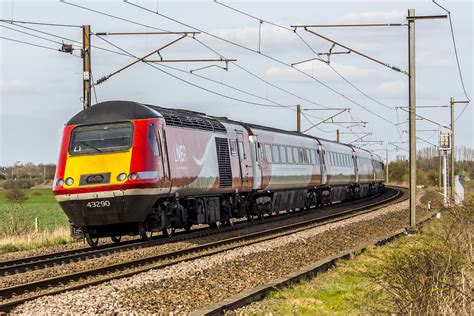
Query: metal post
(386, 165)
(445, 178)
(412, 114)
(337, 135)
(440, 176)
(86, 66)
(451, 173)
(298, 118)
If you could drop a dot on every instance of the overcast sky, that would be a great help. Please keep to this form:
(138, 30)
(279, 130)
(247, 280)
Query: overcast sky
(41, 88)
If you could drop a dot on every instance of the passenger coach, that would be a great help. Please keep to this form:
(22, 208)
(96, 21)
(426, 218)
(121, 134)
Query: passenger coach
(127, 168)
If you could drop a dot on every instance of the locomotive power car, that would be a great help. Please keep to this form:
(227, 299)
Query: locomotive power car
(127, 168)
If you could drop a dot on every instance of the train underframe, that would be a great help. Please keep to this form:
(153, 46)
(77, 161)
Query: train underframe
(170, 213)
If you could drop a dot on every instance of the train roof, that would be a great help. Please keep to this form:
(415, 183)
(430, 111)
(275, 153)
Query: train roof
(113, 111)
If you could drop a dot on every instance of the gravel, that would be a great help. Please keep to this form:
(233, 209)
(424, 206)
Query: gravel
(190, 285)
(34, 275)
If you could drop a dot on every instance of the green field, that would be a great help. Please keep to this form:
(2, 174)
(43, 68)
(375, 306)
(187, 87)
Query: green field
(40, 204)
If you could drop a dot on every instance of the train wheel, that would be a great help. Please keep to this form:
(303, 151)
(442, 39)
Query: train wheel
(230, 222)
(215, 225)
(116, 239)
(92, 241)
(144, 234)
(168, 232)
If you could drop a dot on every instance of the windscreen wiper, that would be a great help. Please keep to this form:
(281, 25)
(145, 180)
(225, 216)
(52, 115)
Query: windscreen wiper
(89, 145)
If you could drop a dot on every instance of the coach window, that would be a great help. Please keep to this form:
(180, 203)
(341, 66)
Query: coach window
(306, 156)
(300, 156)
(268, 153)
(241, 150)
(289, 154)
(261, 150)
(276, 154)
(233, 147)
(153, 140)
(283, 154)
(295, 154)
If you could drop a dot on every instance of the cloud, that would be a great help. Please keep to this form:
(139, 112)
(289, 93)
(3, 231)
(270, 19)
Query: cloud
(393, 88)
(17, 86)
(393, 16)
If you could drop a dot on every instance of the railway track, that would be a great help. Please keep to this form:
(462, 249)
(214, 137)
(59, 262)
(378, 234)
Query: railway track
(64, 257)
(18, 294)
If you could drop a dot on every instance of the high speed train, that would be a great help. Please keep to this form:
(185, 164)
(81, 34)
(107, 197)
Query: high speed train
(127, 168)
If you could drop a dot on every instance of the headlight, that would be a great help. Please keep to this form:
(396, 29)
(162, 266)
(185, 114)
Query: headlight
(133, 176)
(59, 182)
(121, 177)
(69, 181)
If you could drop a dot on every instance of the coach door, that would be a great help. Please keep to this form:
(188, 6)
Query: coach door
(164, 157)
(244, 172)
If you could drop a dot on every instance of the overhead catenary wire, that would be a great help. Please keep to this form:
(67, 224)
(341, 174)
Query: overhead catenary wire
(30, 34)
(262, 79)
(188, 82)
(28, 43)
(61, 37)
(265, 55)
(159, 29)
(457, 59)
(40, 23)
(152, 27)
(308, 45)
(315, 53)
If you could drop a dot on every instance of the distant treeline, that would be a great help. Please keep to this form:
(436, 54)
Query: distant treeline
(26, 175)
(427, 160)
(428, 166)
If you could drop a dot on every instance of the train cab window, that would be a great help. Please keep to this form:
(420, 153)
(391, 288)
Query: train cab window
(276, 154)
(153, 140)
(283, 154)
(94, 139)
(268, 153)
(295, 155)
(233, 147)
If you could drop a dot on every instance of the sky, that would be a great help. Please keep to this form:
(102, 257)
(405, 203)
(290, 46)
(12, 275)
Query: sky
(41, 88)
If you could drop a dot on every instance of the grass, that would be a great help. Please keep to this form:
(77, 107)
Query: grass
(341, 291)
(59, 236)
(350, 287)
(40, 204)
(17, 222)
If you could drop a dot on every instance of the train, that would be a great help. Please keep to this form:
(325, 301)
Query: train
(127, 168)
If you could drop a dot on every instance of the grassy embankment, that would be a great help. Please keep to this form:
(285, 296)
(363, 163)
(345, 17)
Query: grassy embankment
(428, 273)
(17, 222)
